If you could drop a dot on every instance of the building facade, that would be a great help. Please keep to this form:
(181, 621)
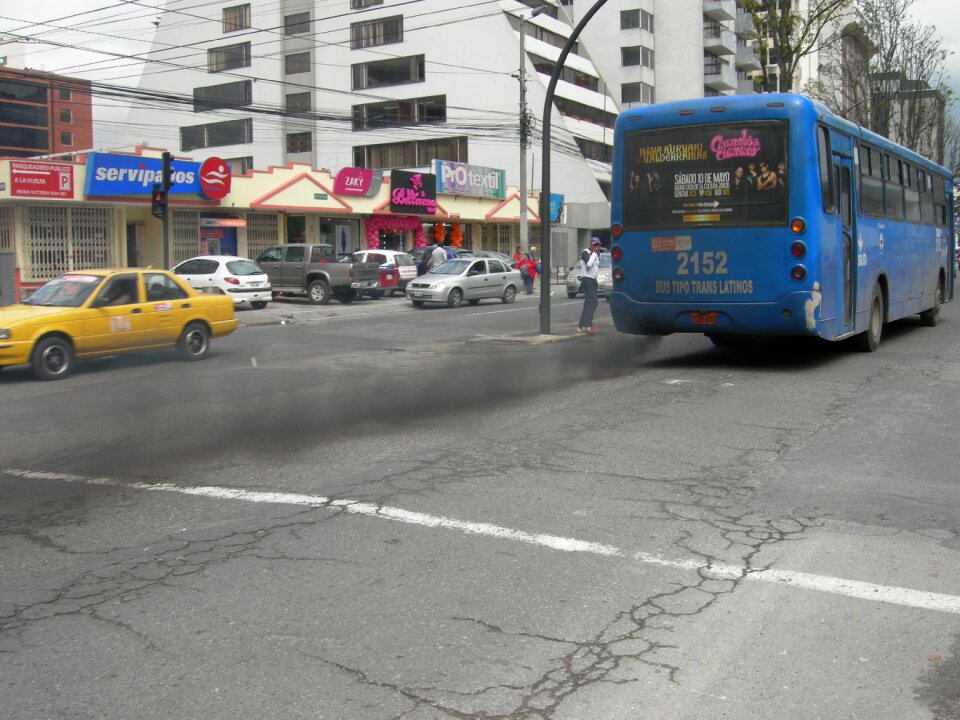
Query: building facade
(43, 114)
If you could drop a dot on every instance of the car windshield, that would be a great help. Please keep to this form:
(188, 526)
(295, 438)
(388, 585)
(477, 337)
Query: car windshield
(605, 260)
(243, 267)
(65, 291)
(451, 267)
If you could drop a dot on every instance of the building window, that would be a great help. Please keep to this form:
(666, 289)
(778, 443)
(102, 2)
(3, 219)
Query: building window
(236, 18)
(66, 138)
(229, 132)
(629, 19)
(587, 113)
(299, 142)
(360, 4)
(228, 57)
(637, 55)
(382, 73)
(298, 102)
(296, 63)
(376, 32)
(229, 95)
(65, 94)
(637, 93)
(410, 154)
(296, 24)
(66, 116)
(17, 114)
(393, 113)
(22, 91)
(239, 165)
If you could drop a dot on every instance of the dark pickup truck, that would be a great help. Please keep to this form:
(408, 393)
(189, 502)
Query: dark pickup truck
(313, 270)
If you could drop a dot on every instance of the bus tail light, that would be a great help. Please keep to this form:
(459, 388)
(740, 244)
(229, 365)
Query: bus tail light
(616, 230)
(798, 273)
(616, 252)
(798, 249)
(618, 275)
(797, 226)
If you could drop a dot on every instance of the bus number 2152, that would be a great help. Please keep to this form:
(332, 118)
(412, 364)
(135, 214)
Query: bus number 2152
(705, 263)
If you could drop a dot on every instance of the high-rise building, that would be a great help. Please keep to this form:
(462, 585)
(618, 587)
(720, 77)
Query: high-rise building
(375, 84)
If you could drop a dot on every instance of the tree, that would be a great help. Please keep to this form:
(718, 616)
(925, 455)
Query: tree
(897, 83)
(785, 35)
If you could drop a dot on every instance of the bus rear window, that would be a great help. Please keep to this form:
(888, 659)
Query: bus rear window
(705, 175)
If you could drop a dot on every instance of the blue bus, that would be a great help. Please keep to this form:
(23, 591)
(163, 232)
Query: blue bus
(769, 215)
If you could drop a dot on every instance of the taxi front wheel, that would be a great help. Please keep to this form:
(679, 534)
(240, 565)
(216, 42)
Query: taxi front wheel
(194, 342)
(52, 358)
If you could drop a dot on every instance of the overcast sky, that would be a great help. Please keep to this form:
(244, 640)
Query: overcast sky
(112, 26)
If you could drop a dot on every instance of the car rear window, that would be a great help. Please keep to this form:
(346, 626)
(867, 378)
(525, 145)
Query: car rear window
(243, 267)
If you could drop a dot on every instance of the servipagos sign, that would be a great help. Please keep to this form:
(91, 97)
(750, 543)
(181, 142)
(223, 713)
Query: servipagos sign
(110, 175)
(455, 178)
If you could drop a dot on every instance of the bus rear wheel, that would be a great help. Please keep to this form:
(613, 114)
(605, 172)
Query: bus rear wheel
(869, 340)
(931, 317)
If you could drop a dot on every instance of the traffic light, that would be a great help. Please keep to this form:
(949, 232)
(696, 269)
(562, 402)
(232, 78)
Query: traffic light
(158, 201)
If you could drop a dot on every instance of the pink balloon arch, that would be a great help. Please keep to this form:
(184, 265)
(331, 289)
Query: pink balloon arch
(377, 223)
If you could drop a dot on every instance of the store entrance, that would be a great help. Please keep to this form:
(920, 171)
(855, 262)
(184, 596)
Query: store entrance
(391, 240)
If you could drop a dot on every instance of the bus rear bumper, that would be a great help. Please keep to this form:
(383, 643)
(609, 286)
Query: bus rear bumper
(795, 314)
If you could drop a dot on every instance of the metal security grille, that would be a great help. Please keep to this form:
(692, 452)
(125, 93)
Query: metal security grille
(92, 238)
(184, 235)
(61, 239)
(6, 229)
(262, 232)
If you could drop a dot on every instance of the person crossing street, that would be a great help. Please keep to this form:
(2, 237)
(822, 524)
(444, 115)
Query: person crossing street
(589, 269)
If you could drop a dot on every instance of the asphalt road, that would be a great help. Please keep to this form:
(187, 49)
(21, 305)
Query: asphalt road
(371, 511)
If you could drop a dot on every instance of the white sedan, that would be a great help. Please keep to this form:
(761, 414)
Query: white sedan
(467, 278)
(236, 277)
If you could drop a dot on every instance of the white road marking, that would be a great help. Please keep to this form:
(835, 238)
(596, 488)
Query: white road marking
(821, 583)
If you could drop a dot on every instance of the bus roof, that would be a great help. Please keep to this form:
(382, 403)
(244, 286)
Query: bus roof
(699, 111)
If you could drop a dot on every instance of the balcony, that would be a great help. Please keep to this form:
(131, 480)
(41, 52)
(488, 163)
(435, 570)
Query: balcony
(719, 40)
(747, 59)
(720, 9)
(719, 75)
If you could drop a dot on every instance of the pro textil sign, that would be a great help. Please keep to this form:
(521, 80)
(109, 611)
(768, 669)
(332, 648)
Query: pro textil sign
(455, 178)
(109, 175)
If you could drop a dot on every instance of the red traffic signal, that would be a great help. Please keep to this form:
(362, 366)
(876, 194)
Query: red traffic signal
(158, 201)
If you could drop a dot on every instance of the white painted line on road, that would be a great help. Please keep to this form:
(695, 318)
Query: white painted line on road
(821, 583)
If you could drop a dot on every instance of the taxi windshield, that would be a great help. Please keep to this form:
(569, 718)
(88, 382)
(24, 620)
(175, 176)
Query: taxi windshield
(65, 291)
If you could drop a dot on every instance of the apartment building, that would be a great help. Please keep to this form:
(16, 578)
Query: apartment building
(661, 50)
(378, 84)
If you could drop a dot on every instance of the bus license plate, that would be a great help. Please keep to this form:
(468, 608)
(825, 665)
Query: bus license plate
(703, 318)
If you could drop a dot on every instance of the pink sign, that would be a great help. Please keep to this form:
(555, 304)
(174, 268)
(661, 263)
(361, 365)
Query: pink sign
(34, 179)
(356, 181)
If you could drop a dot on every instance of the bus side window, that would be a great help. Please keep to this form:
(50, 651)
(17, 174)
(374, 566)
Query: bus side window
(826, 177)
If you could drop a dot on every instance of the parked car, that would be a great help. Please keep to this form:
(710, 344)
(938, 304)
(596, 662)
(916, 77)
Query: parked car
(313, 270)
(238, 278)
(403, 263)
(91, 313)
(604, 278)
(470, 279)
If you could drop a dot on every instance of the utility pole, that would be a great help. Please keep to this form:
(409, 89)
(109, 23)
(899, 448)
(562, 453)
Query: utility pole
(526, 125)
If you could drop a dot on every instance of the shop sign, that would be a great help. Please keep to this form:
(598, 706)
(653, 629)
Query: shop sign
(46, 180)
(234, 222)
(455, 178)
(556, 208)
(412, 192)
(214, 178)
(109, 175)
(357, 181)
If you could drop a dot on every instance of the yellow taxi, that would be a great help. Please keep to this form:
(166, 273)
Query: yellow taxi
(91, 313)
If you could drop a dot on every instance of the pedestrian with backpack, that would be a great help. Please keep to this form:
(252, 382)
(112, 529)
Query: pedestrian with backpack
(589, 269)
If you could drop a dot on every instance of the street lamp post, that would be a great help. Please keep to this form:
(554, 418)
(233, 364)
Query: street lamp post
(545, 165)
(526, 121)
